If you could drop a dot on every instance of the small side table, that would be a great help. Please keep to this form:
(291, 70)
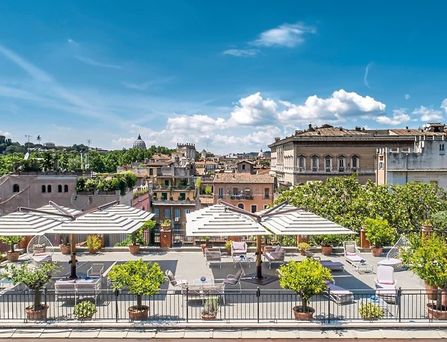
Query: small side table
(363, 267)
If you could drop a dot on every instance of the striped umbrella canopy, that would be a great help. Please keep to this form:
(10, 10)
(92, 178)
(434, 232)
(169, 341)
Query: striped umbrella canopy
(26, 224)
(286, 219)
(219, 220)
(127, 212)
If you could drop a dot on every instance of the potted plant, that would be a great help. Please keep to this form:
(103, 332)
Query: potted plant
(11, 255)
(165, 224)
(228, 245)
(84, 310)
(379, 233)
(326, 242)
(94, 243)
(210, 308)
(35, 278)
(139, 278)
(303, 247)
(205, 244)
(370, 311)
(307, 278)
(429, 262)
(65, 246)
(137, 237)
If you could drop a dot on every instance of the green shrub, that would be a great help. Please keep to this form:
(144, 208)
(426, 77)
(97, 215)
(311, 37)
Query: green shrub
(370, 311)
(84, 310)
(211, 306)
(10, 241)
(378, 232)
(94, 242)
(303, 246)
(307, 278)
(439, 221)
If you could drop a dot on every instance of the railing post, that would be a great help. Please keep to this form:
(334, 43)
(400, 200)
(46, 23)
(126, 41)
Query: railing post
(399, 303)
(116, 305)
(328, 305)
(258, 295)
(187, 305)
(45, 300)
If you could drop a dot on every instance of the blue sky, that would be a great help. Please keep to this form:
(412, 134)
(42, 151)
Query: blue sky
(227, 75)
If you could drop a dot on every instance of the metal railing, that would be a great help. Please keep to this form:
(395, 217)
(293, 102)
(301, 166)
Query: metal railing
(253, 305)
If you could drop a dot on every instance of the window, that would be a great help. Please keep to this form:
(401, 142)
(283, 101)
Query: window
(315, 162)
(243, 166)
(167, 213)
(15, 188)
(187, 211)
(182, 196)
(235, 191)
(341, 164)
(164, 196)
(151, 171)
(328, 163)
(44, 188)
(177, 214)
(49, 188)
(301, 163)
(441, 149)
(59, 188)
(253, 208)
(221, 192)
(355, 162)
(157, 212)
(166, 182)
(240, 205)
(65, 188)
(266, 193)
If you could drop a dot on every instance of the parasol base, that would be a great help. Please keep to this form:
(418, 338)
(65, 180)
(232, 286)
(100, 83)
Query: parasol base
(253, 279)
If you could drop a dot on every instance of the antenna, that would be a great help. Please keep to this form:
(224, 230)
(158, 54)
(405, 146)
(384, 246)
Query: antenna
(28, 137)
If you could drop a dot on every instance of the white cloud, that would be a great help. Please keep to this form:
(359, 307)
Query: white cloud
(6, 134)
(241, 52)
(428, 114)
(254, 110)
(399, 117)
(444, 105)
(137, 86)
(92, 62)
(407, 96)
(197, 123)
(334, 108)
(285, 35)
(72, 42)
(366, 74)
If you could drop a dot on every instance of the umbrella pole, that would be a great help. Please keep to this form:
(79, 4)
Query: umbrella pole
(73, 257)
(258, 257)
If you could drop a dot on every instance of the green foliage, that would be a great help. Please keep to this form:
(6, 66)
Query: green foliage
(228, 244)
(94, 242)
(429, 261)
(378, 232)
(326, 240)
(138, 276)
(347, 202)
(107, 182)
(303, 246)
(10, 241)
(198, 183)
(84, 310)
(439, 222)
(307, 278)
(166, 223)
(211, 306)
(137, 237)
(208, 190)
(370, 311)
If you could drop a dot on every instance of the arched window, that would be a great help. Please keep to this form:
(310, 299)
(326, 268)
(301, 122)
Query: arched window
(355, 163)
(328, 163)
(59, 188)
(240, 205)
(341, 161)
(315, 163)
(65, 188)
(301, 163)
(15, 188)
(44, 188)
(49, 188)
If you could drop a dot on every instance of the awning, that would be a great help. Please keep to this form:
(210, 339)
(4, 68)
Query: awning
(287, 220)
(219, 220)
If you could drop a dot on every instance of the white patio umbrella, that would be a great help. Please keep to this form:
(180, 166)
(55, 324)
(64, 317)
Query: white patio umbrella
(127, 211)
(26, 223)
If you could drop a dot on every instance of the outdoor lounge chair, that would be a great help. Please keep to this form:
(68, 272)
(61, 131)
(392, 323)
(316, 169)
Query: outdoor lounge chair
(95, 271)
(392, 258)
(234, 279)
(339, 294)
(213, 255)
(385, 284)
(181, 284)
(88, 288)
(333, 266)
(352, 253)
(239, 248)
(274, 254)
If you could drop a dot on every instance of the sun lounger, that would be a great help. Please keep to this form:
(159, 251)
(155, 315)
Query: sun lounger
(213, 256)
(339, 294)
(239, 248)
(333, 266)
(274, 254)
(351, 253)
(385, 283)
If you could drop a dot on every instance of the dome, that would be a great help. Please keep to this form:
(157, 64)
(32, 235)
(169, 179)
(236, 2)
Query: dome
(139, 143)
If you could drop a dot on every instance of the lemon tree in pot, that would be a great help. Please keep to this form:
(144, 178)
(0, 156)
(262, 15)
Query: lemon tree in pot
(303, 247)
(379, 233)
(210, 308)
(35, 278)
(94, 243)
(12, 255)
(429, 262)
(307, 278)
(139, 278)
(137, 237)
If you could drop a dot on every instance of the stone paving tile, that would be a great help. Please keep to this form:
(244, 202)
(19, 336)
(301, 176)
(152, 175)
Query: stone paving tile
(227, 334)
(27, 333)
(255, 333)
(371, 333)
(198, 333)
(55, 333)
(169, 333)
(141, 333)
(315, 333)
(113, 333)
(85, 333)
(284, 333)
(6, 333)
(396, 333)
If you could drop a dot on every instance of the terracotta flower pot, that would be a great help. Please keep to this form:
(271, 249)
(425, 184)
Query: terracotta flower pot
(431, 292)
(326, 250)
(12, 256)
(302, 252)
(376, 251)
(138, 314)
(36, 315)
(209, 316)
(93, 250)
(302, 315)
(204, 246)
(434, 313)
(65, 249)
(134, 249)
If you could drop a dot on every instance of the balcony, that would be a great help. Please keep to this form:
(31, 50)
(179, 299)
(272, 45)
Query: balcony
(241, 196)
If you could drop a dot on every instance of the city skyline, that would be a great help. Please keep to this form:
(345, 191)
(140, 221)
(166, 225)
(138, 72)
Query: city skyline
(227, 78)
